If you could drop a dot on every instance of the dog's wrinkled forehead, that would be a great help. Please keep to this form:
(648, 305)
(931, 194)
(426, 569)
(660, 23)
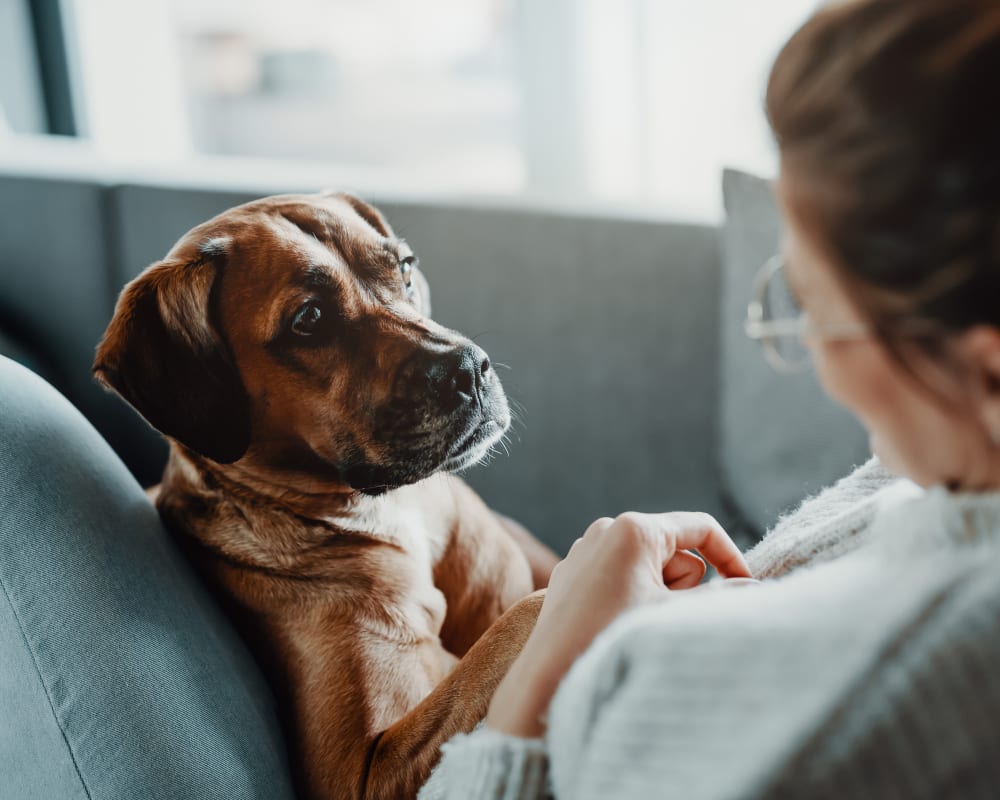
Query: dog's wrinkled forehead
(280, 243)
(278, 254)
(333, 224)
(255, 233)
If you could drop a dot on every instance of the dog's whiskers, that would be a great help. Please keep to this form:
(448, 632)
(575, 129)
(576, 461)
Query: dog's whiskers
(517, 415)
(487, 458)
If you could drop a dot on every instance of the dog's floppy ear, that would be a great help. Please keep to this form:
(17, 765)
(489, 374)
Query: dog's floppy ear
(162, 354)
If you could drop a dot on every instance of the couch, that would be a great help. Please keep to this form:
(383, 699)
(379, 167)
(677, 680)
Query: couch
(626, 351)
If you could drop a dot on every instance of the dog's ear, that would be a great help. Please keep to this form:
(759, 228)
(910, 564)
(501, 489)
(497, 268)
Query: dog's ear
(162, 354)
(368, 213)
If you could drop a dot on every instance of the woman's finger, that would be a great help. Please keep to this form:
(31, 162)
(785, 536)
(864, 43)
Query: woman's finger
(701, 532)
(599, 525)
(684, 571)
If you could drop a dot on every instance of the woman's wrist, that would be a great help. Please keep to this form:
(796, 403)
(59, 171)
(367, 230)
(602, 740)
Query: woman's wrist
(521, 701)
(519, 706)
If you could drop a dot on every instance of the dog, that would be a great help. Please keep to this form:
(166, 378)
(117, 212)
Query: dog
(315, 415)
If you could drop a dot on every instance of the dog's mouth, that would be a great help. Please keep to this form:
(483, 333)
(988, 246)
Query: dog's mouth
(466, 446)
(473, 446)
(421, 432)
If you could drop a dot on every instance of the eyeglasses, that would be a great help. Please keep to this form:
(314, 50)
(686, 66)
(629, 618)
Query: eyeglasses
(777, 321)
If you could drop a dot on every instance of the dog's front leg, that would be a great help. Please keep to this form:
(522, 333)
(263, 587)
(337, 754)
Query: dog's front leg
(369, 721)
(541, 558)
(481, 573)
(402, 757)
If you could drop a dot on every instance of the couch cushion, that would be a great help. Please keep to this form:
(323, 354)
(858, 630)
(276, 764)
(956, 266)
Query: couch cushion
(781, 437)
(119, 678)
(15, 348)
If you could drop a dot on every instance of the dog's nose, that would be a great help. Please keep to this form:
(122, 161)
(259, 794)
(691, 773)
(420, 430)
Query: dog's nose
(452, 379)
(455, 377)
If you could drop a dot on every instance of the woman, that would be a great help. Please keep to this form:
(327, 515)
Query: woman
(865, 662)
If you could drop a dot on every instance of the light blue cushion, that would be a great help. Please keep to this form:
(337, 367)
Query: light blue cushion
(119, 677)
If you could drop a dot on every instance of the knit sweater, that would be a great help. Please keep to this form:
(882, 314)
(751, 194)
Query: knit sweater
(864, 666)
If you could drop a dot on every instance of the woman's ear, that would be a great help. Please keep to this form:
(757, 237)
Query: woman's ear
(981, 348)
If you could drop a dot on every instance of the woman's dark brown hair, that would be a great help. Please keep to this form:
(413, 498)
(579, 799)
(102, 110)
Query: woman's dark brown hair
(887, 115)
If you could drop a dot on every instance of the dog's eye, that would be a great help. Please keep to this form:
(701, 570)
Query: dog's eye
(307, 319)
(406, 266)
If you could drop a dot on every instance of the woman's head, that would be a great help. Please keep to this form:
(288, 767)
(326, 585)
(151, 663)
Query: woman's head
(887, 115)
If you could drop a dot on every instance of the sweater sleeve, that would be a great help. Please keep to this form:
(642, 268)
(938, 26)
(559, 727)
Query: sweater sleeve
(487, 765)
(825, 526)
(755, 693)
(923, 722)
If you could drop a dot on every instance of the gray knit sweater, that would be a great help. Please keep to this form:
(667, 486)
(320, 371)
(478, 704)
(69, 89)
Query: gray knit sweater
(867, 665)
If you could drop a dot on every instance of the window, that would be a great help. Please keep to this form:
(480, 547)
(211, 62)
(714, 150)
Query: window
(34, 80)
(424, 90)
(632, 103)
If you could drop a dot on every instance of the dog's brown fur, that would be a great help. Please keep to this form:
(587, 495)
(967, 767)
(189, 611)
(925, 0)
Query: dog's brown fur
(378, 592)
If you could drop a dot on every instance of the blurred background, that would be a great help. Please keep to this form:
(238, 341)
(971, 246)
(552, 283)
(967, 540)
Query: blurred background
(627, 102)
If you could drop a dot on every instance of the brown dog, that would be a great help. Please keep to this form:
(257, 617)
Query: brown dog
(314, 411)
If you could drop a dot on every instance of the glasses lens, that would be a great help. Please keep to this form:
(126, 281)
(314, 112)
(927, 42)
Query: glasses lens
(786, 350)
(791, 352)
(779, 302)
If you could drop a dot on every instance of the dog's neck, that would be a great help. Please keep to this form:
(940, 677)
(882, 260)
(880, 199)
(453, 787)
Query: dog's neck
(308, 510)
(247, 526)
(296, 492)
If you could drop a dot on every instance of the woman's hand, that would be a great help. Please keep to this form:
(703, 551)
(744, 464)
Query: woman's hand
(616, 565)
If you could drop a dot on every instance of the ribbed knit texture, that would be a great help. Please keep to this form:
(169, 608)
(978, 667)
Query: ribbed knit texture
(489, 767)
(834, 522)
(867, 670)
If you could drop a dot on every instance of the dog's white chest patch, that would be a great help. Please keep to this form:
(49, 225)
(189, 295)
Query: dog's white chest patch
(404, 520)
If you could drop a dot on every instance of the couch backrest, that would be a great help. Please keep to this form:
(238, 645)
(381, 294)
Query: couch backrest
(610, 328)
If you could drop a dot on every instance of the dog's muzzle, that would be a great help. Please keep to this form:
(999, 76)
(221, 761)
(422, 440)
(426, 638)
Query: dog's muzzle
(447, 409)
(449, 381)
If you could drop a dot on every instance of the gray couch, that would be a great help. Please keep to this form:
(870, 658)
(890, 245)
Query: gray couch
(623, 336)
(120, 679)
